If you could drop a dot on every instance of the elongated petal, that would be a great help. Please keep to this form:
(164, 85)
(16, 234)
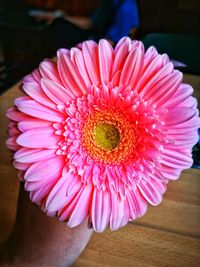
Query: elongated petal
(137, 204)
(153, 68)
(34, 90)
(151, 191)
(32, 123)
(125, 43)
(39, 194)
(21, 166)
(161, 74)
(37, 185)
(48, 70)
(163, 90)
(179, 116)
(105, 60)
(71, 77)
(101, 210)
(26, 155)
(61, 194)
(16, 115)
(149, 56)
(44, 170)
(37, 110)
(182, 94)
(36, 75)
(182, 156)
(20, 99)
(90, 55)
(81, 65)
(55, 92)
(132, 68)
(12, 143)
(118, 213)
(81, 210)
(13, 131)
(57, 198)
(38, 138)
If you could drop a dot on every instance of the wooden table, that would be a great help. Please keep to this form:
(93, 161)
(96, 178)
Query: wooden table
(168, 235)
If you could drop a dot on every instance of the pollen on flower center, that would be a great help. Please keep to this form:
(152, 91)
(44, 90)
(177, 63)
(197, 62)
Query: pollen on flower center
(106, 136)
(109, 137)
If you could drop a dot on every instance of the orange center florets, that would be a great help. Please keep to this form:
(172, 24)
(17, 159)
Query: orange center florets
(108, 136)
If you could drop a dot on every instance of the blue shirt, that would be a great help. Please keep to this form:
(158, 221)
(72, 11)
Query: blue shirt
(126, 17)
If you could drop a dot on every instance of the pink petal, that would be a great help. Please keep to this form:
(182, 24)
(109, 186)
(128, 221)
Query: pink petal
(13, 131)
(36, 75)
(137, 204)
(16, 115)
(72, 182)
(132, 68)
(81, 65)
(39, 194)
(123, 44)
(191, 102)
(118, 213)
(105, 60)
(12, 124)
(169, 172)
(151, 191)
(72, 54)
(63, 192)
(101, 209)
(149, 56)
(32, 123)
(64, 213)
(176, 159)
(121, 53)
(90, 55)
(48, 70)
(33, 186)
(37, 110)
(192, 124)
(162, 92)
(38, 138)
(44, 170)
(12, 144)
(71, 77)
(20, 175)
(161, 74)
(35, 91)
(57, 198)
(62, 51)
(153, 68)
(26, 155)
(55, 92)
(20, 99)
(28, 78)
(21, 166)
(182, 94)
(178, 116)
(81, 210)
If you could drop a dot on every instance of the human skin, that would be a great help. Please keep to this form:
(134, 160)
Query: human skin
(39, 240)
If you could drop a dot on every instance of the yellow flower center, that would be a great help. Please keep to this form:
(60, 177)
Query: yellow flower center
(109, 137)
(106, 136)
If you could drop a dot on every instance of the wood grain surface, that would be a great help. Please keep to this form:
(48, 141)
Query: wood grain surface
(168, 235)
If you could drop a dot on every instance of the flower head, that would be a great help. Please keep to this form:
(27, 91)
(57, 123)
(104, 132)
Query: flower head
(101, 132)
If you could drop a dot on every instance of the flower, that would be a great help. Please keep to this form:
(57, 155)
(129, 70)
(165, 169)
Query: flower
(101, 131)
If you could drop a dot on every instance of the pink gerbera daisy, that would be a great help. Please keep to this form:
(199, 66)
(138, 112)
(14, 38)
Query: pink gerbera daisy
(101, 131)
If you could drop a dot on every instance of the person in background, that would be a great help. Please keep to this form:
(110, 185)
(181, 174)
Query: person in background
(113, 20)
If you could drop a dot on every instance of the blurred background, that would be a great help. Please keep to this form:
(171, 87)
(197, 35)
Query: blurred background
(31, 30)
